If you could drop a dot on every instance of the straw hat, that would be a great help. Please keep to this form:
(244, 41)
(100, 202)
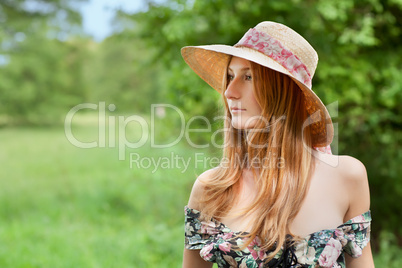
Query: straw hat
(275, 46)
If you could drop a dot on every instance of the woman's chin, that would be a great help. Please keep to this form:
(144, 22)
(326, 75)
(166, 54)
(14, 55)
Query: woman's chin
(240, 125)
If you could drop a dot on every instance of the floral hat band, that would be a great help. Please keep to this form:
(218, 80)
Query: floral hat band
(274, 49)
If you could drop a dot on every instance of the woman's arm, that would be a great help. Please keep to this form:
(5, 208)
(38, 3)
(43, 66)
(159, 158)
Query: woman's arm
(192, 258)
(364, 261)
(359, 202)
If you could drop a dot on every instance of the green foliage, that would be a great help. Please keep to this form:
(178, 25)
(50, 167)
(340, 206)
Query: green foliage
(42, 79)
(119, 71)
(389, 252)
(22, 16)
(48, 66)
(40, 74)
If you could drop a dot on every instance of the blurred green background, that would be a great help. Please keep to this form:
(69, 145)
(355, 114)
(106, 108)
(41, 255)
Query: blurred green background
(65, 206)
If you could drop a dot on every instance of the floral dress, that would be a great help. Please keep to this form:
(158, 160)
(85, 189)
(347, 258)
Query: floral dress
(324, 248)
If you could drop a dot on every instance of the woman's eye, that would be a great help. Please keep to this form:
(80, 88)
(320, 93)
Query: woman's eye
(249, 78)
(230, 77)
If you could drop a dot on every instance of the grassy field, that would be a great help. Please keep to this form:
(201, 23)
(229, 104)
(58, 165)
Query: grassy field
(63, 206)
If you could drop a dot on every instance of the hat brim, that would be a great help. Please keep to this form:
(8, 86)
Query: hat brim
(210, 63)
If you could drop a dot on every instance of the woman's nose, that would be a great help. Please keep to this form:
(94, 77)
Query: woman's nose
(232, 90)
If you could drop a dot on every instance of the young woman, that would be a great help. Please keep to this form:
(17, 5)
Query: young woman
(279, 197)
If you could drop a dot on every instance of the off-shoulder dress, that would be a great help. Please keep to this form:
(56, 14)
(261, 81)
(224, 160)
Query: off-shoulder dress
(326, 248)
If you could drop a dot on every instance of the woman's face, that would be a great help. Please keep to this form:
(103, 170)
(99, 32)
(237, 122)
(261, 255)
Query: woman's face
(239, 94)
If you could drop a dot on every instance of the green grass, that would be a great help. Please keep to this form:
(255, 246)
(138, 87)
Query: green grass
(63, 206)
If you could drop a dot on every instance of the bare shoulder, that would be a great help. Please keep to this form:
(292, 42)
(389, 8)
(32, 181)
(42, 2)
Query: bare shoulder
(349, 176)
(352, 169)
(198, 188)
(354, 176)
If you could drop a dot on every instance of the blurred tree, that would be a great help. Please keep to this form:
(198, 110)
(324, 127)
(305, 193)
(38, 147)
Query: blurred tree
(40, 70)
(43, 80)
(22, 17)
(357, 41)
(120, 72)
(48, 65)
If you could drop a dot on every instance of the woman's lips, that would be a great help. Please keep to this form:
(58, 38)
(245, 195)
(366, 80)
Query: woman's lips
(236, 110)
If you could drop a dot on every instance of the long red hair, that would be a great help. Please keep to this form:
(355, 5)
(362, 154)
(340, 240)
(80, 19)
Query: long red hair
(280, 136)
